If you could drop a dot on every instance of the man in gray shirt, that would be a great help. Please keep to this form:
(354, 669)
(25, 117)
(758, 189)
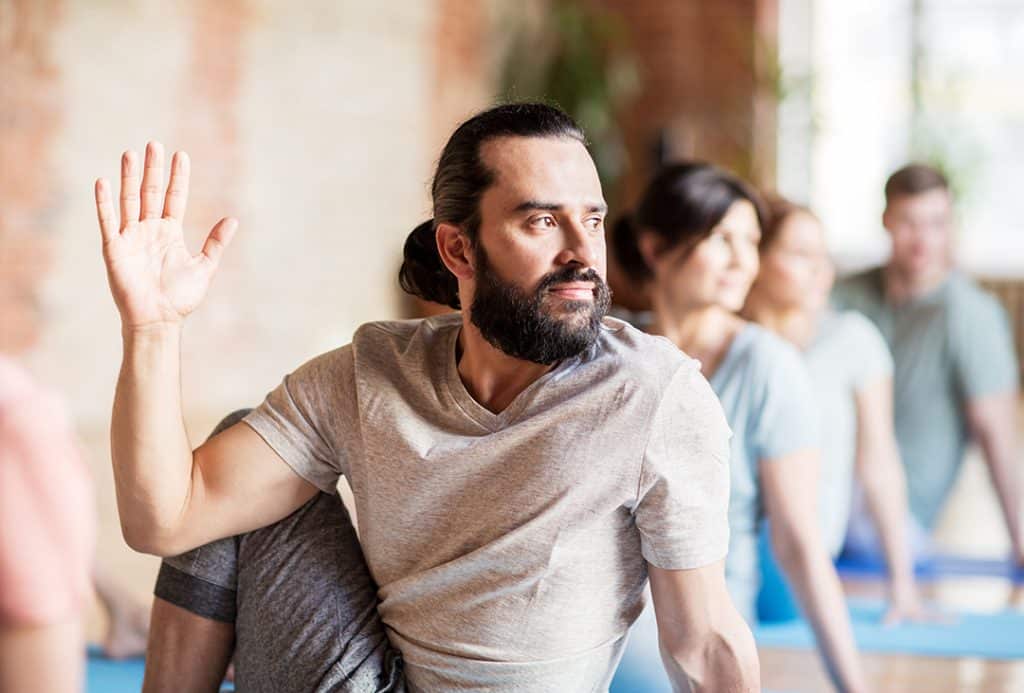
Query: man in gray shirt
(519, 468)
(955, 372)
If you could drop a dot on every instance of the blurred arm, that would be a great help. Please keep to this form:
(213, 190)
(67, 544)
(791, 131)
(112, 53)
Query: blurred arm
(790, 497)
(885, 488)
(992, 420)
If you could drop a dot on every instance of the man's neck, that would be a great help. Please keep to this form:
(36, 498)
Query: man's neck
(795, 325)
(704, 333)
(902, 286)
(492, 377)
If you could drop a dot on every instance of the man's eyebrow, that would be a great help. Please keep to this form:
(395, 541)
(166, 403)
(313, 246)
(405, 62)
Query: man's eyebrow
(537, 205)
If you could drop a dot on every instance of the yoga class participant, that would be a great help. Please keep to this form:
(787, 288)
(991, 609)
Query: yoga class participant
(518, 468)
(47, 533)
(955, 375)
(851, 372)
(692, 242)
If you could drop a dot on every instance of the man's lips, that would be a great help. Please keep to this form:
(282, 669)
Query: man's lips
(574, 291)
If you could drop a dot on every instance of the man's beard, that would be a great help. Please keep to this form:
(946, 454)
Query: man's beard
(522, 326)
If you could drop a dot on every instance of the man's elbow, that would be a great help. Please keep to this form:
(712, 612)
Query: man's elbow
(721, 659)
(151, 541)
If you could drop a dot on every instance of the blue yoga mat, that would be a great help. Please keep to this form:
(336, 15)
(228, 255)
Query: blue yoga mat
(936, 567)
(990, 636)
(104, 675)
(113, 675)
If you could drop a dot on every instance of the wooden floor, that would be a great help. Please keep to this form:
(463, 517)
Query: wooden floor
(795, 671)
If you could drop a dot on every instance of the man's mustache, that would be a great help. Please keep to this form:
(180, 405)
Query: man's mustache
(572, 274)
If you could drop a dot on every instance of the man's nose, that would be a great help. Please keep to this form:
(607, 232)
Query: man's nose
(582, 246)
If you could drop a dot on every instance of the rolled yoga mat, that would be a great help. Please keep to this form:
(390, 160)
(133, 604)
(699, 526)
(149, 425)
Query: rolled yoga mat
(935, 568)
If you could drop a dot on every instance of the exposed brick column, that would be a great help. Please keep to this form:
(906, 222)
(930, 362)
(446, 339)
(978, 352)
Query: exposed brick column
(30, 116)
(698, 63)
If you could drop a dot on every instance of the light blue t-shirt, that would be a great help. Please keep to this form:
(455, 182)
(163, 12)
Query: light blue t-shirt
(948, 347)
(768, 400)
(765, 391)
(846, 355)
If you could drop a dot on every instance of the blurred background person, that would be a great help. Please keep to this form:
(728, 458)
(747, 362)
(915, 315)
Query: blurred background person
(955, 371)
(47, 531)
(851, 373)
(692, 243)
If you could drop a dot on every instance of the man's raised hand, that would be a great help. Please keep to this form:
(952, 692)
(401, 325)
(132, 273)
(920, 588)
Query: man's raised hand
(154, 278)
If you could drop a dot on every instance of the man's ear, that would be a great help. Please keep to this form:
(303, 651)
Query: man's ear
(455, 249)
(887, 219)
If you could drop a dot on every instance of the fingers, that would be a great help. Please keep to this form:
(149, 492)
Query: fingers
(105, 211)
(153, 181)
(219, 239)
(129, 188)
(177, 188)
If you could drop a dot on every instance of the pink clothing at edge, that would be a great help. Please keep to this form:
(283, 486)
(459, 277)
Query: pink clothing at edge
(47, 520)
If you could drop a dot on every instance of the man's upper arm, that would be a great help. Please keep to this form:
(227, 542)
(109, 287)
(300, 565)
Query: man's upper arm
(239, 484)
(262, 469)
(683, 495)
(684, 600)
(992, 416)
(983, 351)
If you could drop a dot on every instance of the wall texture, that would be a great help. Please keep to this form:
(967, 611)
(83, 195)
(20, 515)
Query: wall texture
(314, 123)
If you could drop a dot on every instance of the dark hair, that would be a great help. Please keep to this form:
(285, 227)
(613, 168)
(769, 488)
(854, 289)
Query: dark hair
(681, 205)
(777, 210)
(914, 179)
(460, 181)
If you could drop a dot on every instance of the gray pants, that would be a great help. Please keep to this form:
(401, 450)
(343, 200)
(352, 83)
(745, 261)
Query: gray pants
(301, 598)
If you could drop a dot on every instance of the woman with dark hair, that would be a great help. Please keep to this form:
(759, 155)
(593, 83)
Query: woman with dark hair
(693, 244)
(854, 395)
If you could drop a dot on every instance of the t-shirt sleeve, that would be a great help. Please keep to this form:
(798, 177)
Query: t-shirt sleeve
(683, 496)
(300, 417)
(870, 354)
(983, 350)
(787, 415)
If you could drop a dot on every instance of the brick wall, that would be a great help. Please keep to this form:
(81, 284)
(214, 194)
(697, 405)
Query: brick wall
(701, 93)
(312, 123)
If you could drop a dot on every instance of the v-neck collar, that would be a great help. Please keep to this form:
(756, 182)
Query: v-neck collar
(477, 412)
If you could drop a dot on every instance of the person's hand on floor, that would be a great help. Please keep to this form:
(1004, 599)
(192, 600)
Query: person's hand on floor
(907, 606)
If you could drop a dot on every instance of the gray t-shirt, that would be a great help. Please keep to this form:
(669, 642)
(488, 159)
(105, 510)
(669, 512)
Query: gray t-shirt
(509, 548)
(846, 355)
(766, 393)
(949, 346)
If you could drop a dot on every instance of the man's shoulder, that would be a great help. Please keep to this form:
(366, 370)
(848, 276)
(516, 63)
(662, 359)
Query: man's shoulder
(864, 285)
(968, 297)
(642, 355)
(399, 336)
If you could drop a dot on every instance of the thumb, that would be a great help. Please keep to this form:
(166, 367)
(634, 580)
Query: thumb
(219, 238)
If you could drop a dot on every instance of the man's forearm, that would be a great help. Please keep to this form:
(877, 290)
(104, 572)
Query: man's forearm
(151, 453)
(994, 425)
(885, 491)
(724, 659)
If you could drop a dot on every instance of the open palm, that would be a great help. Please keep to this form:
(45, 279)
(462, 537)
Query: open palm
(154, 278)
